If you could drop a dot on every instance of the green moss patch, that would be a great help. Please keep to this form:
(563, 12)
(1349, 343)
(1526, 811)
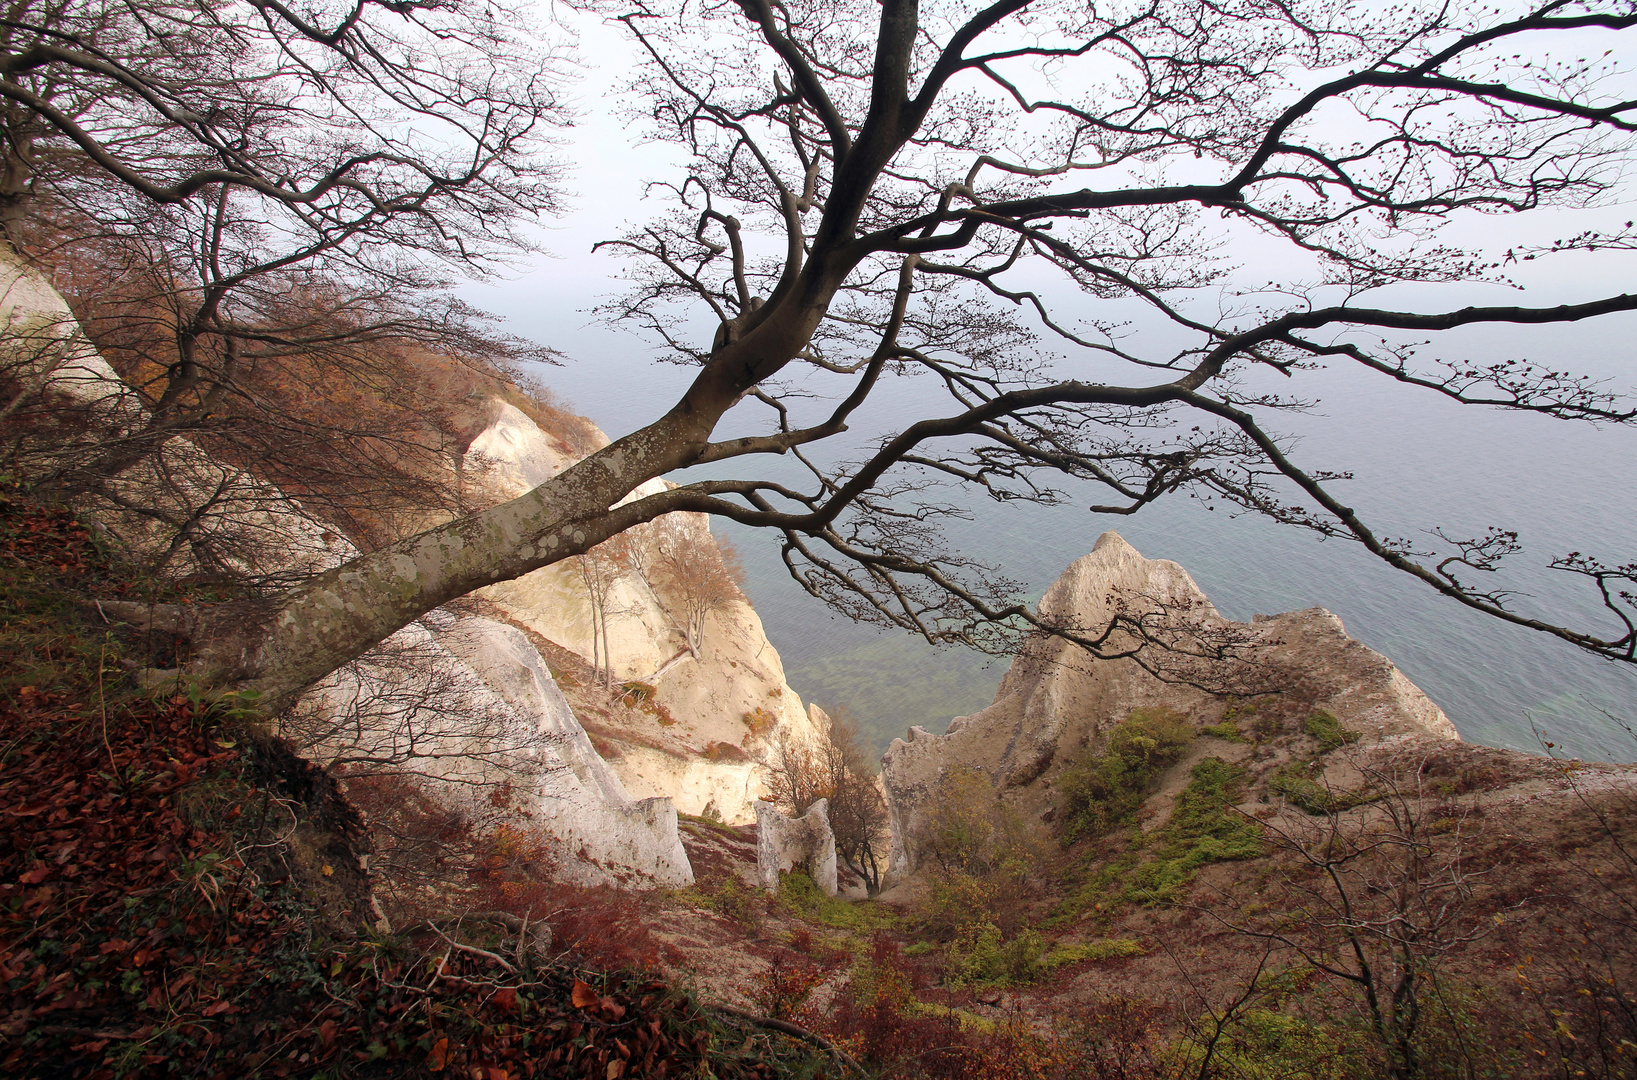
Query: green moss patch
(801, 897)
(1092, 951)
(1203, 829)
(981, 956)
(1103, 791)
(1297, 783)
(1227, 729)
(1328, 731)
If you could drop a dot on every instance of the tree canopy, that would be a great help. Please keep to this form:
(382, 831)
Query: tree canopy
(236, 193)
(1037, 203)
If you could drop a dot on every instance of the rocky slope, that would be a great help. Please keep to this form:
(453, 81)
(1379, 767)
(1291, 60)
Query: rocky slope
(1056, 700)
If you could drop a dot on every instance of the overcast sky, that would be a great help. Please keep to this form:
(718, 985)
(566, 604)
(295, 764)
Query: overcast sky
(548, 296)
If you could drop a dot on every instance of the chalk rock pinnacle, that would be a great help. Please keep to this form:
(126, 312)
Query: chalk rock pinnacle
(1159, 643)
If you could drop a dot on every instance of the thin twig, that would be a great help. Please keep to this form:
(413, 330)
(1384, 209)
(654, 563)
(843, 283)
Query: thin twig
(794, 1032)
(473, 950)
(102, 705)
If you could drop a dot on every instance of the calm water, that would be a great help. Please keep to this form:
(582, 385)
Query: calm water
(1420, 463)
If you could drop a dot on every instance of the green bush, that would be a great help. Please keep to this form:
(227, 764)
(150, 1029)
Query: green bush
(1202, 830)
(1328, 730)
(964, 1018)
(982, 856)
(1103, 791)
(1295, 782)
(737, 900)
(953, 900)
(981, 956)
(1227, 729)
(965, 827)
(1260, 1044)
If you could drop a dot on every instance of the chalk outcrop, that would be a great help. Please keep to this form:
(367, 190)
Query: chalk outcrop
(1057, 699)
(732, 709)
(466, 707)
(235, 522)
(806, 843)
(43, 347)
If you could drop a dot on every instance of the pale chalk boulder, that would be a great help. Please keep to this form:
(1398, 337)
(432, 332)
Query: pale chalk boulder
(1056, 699)
(43, 346)
(785, 843)
(511, 451)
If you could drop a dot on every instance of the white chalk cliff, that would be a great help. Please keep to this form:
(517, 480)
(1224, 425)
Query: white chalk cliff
(465, 706)
(1056, 699)
(711, 760)
(456, 704)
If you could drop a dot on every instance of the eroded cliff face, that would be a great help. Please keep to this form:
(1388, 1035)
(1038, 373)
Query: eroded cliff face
(728, 711)
(1056, 700)
(467, 708)
(462, 709)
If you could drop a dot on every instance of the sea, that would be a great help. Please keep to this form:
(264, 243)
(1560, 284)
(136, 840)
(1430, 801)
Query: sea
(1418, 462)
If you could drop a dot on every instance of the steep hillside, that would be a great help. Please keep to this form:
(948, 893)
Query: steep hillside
(1242, 851)
(438, 702)
(179, 895)
(1263, 852)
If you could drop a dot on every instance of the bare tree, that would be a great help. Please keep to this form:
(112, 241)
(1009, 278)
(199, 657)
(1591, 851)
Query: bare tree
(689, 573)
(858, 809)
(702, 580)
(190, 103)
(268, 363)
(233, 189)
(876, 193)
(404, 709)
(1378, 898)
(803, 775)
(601, 569)
(837, 769)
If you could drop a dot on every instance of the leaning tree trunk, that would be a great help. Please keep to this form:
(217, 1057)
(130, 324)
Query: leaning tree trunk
(337, 616)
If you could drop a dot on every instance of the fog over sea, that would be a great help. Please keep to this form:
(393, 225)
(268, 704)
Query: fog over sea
(1420, 462)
